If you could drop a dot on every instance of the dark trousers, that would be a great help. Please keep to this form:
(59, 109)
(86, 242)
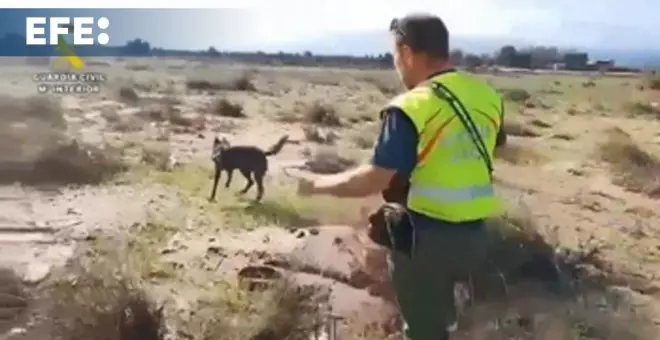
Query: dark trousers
(444, 254)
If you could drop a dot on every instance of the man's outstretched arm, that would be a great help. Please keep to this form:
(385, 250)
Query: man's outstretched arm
(395, 153)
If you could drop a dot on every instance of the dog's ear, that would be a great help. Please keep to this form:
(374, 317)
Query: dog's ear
(216, 140)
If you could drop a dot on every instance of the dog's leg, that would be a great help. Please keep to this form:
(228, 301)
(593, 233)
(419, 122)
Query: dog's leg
(230, 172)
(259, 178)
(250, 182)
(216, 178)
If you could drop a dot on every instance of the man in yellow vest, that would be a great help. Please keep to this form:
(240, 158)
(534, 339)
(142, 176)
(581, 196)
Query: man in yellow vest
(436, 142)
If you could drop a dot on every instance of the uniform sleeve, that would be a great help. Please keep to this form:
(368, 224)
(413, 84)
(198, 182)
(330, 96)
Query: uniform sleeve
(396, 146)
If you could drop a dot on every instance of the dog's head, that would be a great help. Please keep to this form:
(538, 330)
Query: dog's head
(219, 145)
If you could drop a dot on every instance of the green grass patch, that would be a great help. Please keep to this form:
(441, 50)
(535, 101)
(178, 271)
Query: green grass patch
(280, 205)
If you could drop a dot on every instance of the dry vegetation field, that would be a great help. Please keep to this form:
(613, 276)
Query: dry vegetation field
(106, 231)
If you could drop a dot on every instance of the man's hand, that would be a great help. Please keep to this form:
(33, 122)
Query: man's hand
(362, 181)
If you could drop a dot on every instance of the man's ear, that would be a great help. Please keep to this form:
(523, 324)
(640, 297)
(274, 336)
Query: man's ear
(406, 55)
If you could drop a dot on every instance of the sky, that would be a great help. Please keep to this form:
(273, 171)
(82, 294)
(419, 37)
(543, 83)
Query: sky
(600, 23)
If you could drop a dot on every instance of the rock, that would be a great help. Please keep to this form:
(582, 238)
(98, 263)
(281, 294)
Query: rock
(36, 272)
(17, 331)
(214, 250)
(301, 233)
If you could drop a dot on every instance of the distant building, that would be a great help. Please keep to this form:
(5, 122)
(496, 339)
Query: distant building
(603, 65)
(576, 61)
(521, 60)
(558, 66)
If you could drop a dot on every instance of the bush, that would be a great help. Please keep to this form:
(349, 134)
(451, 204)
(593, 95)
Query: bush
(329, 160)
(635, 169)
(46, 109)
(99, 294)
(530, 286)
(241, 83)
(14, 299)
(284, 311)
(224, 108)
(516, 95)
(65, 162)
(322, 114)
(644, 109)
(128, 95)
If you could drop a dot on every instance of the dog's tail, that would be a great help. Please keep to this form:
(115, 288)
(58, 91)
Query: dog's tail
(277, 147)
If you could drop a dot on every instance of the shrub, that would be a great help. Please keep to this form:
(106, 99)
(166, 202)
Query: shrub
(635, 169)
(516, 95)
(322, 114)
(224, 108)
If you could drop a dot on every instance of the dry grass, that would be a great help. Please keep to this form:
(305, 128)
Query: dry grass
(320, 135)
(93, 303)
(635, 169)
(285, 311)
(516, 95)
(653, 81)
(322, 114)
(330, 160)
(36, 150)
(530, 287)
(517, 153)
(76, 163)
(241, 83)
(281, 206)
(518, 129)
(47, 110)
(14, 299)
(644, 109)
(365, 136)
(103, 291)
(166, 111)
(389, 85)
(157, 155)
(225, 108)
(128, 95)
(125, 124)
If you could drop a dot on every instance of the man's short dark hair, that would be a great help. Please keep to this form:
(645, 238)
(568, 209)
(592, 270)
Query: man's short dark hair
(423, 33)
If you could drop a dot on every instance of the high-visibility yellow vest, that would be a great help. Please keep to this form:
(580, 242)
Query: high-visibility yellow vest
(451, 181)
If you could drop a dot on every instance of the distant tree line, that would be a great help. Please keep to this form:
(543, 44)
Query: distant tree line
(536, 57)
(510, 56)
(507, 56)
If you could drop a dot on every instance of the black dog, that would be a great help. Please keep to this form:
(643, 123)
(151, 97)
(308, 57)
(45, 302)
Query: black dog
(251, 161)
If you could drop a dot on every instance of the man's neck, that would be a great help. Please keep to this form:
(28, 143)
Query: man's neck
(437, 69)
(434, 70)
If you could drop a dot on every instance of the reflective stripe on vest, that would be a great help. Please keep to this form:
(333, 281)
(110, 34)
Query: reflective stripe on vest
(443, 195)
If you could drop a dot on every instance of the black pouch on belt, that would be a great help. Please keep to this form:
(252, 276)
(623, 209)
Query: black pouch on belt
(392, 228)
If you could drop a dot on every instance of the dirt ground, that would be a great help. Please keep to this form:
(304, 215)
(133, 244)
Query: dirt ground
(581, 161)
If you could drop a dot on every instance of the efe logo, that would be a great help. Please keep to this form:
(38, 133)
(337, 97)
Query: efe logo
(82, 29)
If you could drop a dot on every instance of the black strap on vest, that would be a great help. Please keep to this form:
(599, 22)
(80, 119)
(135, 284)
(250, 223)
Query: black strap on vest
(463, 114)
